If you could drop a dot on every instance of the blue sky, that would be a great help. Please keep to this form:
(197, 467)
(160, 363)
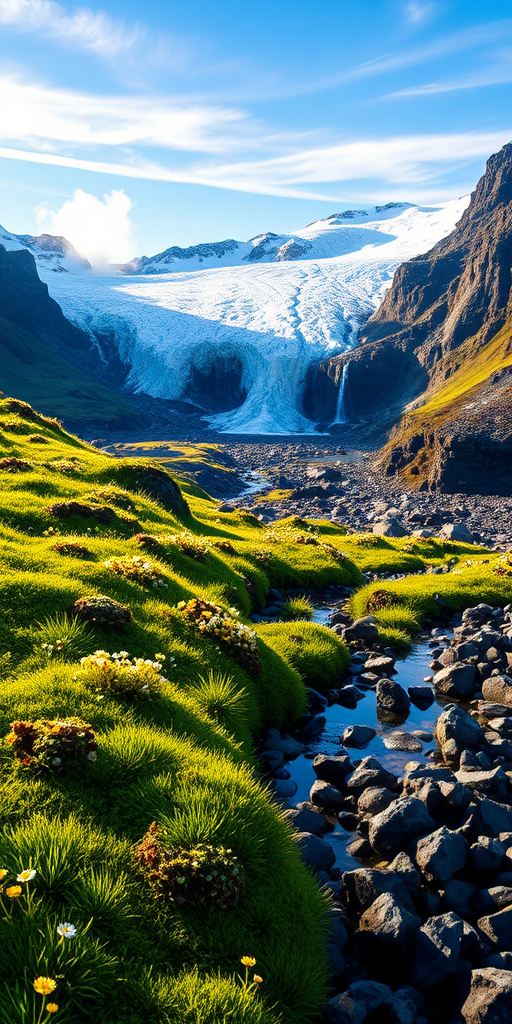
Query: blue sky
(132, 127)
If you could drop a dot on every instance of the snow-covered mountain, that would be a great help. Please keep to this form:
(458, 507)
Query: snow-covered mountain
(233, 326)
(51, 252)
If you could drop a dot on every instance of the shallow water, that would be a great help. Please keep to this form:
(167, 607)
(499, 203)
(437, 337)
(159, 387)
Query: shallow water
(410, 671)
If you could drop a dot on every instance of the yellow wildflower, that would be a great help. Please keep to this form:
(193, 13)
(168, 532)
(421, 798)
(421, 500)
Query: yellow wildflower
(248, 961)
(257, 978)
(44, 986)
(3, 874)
(52, 1007)
(13, 891)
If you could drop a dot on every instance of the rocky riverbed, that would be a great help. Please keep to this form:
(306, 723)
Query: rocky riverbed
(332, 479)
(421, 885)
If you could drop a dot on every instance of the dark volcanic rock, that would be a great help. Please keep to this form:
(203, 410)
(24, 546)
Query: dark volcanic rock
(441, 854)
(490, 997)
(437, 950)
(392, 698)
(387, 924)
(392, 829)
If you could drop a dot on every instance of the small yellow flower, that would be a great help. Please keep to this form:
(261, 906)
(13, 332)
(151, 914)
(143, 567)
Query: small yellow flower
(3, 874)
(248, 961)
(44, 986)
(13, 891)
(256, 977)
(52, 1007)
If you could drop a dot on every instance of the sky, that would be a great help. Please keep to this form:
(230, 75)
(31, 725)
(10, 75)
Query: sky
(130, 127)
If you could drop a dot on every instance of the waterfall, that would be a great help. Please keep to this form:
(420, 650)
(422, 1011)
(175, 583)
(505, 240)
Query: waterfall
(341, 416)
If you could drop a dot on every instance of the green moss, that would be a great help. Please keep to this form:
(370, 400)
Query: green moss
(317, 654)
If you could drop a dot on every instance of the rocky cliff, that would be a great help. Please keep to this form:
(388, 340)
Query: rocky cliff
(440, 344)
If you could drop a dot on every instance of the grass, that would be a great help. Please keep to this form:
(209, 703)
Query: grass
(297, 608)
(183, 759)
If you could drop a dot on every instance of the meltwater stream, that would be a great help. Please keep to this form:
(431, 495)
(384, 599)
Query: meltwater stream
(410, 671)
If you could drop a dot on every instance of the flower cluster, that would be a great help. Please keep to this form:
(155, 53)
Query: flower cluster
(52, 744)
(73, 549)
(137, 570)
(146, 540)
(121, 675)
(339, 556)
(224, 627)
(190, 545)
(366, 540)
(504, 566)
(12, 465)
(205, 876)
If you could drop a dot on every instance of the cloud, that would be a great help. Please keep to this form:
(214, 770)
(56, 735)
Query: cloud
(30, 111)
(417, 12)
(410, 164)
(99, 229)
(84, 28)
(500, 74)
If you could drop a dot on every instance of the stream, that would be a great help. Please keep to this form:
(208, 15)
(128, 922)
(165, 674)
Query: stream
(413, 670)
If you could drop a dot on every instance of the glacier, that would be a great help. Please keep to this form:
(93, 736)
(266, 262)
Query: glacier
(271, 306)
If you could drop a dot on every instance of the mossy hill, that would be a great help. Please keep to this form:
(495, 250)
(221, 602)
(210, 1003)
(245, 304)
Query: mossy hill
(72, 522)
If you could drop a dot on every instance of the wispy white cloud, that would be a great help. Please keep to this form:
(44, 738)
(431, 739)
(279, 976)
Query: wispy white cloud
(417, 12)
(30, 111)
(407, 164)
(84, 28)
(101, 229)
(498, 74)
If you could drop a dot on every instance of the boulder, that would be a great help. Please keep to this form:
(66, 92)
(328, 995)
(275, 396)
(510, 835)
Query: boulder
(373, 800)
(421, 696)
(486, 855)
(492, 782)
(387, 924)
(370, 772)
(441, 854)
(392, 829)
(402, 741)
(456, 730)
(361, 999)
(490, 997)
(437, 949)
(498, 928)
(389, 528)
(456, 680)
(379, 664)
(287, 744)
(316, 852)
(333, 769)
(456, 532)
(498, 689)
(392, 698)
(362, 629)
(305, 820)
(325, 795)
(357, 735)
(364, 885)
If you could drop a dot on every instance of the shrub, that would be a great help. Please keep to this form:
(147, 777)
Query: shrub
(73, 549)
(12, 465)
(146, 540)
(52, 744)
(121, 675)
(64, 638)
(190, 545)
(38, 439)
(205, 876)
(67, 466)
(137, 570)
(102, 611)
(65, 509)
(223, 626)
(381, 599)
(297, 608)
(111, 496)
(225, 546)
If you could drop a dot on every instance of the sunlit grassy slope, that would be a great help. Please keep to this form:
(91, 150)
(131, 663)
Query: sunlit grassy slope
(185, 760)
